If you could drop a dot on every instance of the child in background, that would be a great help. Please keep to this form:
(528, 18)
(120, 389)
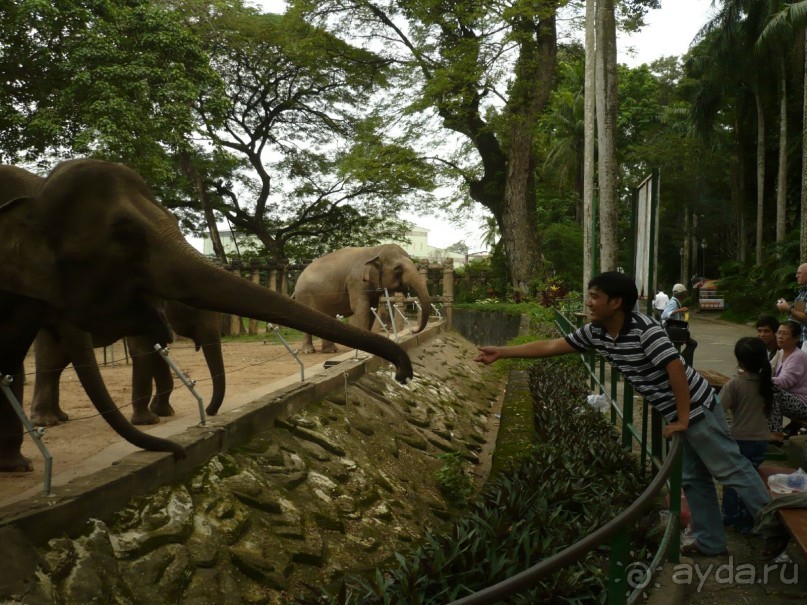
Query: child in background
(749, 397)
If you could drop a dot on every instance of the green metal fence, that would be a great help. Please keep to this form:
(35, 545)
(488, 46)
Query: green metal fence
(660, 458)
(653, 448)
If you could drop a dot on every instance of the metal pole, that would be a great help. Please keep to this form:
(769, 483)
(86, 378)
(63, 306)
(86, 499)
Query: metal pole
(163, 351)
(391, 314)
(294, 354)
(35, 432)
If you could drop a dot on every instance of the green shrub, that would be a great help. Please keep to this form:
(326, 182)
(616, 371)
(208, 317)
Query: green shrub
(454, 483)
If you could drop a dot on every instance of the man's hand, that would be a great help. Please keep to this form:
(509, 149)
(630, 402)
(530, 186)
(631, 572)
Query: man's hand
(682, 310)
(488, 355)
(783, 305)
(674, 427)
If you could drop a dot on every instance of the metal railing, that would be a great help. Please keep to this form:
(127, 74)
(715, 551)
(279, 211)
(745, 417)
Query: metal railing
(655, 452)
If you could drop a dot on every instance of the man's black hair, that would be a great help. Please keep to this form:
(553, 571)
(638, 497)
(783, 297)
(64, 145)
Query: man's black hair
(617, 285)
(768, 321)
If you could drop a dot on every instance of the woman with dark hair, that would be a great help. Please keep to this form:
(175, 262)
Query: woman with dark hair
(748, 396)
(790, 376)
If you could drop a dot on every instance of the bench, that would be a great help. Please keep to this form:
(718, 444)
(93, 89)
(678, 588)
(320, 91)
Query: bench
(794, 519)
(715, 379)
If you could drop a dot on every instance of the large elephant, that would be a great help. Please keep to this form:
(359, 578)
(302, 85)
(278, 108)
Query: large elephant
(21, 317)
(350, 281)
(94, 250)
(200, 325)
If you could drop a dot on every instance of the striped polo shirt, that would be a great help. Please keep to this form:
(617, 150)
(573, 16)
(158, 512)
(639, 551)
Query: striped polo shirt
(641, 352)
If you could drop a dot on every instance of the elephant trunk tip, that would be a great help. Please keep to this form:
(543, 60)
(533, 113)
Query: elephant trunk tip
(404, 372)
(178, 451)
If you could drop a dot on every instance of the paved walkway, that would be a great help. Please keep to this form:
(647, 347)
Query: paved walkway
(740, 577)
(716, 340)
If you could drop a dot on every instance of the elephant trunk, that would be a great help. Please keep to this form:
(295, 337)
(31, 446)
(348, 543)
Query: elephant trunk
(418, 284)
(79, 346)
(201, 284)
(215, 363)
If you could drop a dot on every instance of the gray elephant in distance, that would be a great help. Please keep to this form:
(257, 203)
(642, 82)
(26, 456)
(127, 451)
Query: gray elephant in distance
(200, 325)
(350, 281)
(93, 252)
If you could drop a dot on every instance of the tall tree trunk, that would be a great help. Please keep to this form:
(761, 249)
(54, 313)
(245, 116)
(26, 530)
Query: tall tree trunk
(781, 181)
(606, 129)
(760, 175)
(186, 164)
(803, 231)
(589, 124)
(740, 201)
(535, 71)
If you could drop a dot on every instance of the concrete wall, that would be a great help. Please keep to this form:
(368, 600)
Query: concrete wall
(489, 327)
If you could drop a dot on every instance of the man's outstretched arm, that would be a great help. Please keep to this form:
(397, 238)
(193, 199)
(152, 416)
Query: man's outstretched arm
(536, 348)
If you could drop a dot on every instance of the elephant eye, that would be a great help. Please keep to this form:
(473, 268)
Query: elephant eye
(126, 232)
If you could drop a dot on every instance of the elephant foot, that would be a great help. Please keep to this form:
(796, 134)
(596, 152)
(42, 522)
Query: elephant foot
(162, 409)
(46, 419)
(308, 349)
(61, 415)
(144, 417)
(330, 349)
(15, 463)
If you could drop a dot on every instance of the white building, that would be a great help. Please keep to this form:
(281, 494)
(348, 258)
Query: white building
(417, 248)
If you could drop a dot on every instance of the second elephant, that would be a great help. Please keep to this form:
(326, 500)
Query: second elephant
(350, 281)
(202, 326)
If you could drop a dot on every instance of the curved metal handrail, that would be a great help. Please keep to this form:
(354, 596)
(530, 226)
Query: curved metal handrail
(530, 577)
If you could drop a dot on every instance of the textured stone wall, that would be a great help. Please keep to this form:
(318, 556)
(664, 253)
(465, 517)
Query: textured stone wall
(487, 328)
(336, 488)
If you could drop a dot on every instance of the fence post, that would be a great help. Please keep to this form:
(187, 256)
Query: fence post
(448, 290)
(284, 276)
(423, 271)
(255, 276)
(235, 321)
(271, 281)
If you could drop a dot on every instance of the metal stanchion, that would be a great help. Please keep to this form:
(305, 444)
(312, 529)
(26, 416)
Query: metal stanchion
(35, 432)
(163, 351)
(380, 322)
(391, 314)
(294, 354)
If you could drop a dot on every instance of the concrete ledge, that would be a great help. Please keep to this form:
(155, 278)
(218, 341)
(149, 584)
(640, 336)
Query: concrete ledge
(100, 494)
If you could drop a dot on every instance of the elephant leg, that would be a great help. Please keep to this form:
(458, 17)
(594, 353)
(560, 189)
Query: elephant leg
(328, 346)
(142, 375)
(51, 360)
(308, 345)
(11, 458)
(215, 363)
(164, 382)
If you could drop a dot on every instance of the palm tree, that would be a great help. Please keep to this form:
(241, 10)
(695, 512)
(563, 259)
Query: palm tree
(787, 26)
(589, 124)
(606, 103)
(730, 68)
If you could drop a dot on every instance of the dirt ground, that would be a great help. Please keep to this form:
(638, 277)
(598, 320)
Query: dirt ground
(251, 369)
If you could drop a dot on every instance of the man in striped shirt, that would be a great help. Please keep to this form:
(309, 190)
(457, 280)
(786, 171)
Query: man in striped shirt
(640, 349)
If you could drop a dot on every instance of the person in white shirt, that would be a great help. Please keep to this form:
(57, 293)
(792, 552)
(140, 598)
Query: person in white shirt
(659, 302)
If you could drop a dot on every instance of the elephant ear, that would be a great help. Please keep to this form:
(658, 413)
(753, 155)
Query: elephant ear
(27, 263)
(372, 270)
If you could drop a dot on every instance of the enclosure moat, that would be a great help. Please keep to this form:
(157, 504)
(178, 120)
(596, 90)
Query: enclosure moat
(335, 488)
